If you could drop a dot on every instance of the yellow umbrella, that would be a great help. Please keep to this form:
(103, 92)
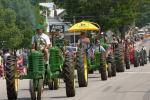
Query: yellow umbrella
(83, 26)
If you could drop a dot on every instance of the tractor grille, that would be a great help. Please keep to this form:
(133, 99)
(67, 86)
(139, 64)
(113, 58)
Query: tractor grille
(36, 65)
(55, 60)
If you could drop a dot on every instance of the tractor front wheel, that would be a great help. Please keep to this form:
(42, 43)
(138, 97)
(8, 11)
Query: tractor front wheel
(113, 66)
(53, 84)
(32, 90)
(39, 89)
(36, 87)
(109, 70)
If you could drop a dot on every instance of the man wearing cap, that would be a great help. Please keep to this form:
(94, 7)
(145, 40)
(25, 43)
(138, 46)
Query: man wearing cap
(41, 41)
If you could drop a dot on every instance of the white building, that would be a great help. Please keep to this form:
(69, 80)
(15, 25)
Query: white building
(54, 17)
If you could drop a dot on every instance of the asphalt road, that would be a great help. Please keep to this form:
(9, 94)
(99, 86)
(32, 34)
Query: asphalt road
(134, 84)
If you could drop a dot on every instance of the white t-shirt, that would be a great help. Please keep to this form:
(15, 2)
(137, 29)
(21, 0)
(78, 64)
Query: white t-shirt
(41, 40)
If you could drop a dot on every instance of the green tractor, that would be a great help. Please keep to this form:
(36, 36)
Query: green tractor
(103, 60)
(107, 43)
(40, 74)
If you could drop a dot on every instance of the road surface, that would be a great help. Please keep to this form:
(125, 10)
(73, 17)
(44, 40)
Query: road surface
(134, 84)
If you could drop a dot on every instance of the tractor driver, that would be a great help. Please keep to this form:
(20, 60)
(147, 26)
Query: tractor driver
(41, 41)
(84, 41)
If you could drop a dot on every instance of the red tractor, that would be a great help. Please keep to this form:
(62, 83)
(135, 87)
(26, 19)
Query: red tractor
(133, 55)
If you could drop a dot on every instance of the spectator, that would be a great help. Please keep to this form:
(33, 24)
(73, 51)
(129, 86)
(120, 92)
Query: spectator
(6, 54)
(19, 61)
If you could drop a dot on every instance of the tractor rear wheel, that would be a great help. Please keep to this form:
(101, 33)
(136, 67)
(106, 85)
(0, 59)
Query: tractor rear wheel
(68, 71)
(102, 67)
(11, 82)
(82, 69)
(119, 58)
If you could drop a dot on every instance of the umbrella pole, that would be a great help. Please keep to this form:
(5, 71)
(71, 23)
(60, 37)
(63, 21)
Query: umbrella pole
(74, 20)
(74, 39)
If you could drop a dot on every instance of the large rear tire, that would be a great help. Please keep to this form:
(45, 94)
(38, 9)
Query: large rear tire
(82, 69)
(102, 67)
(119, 58)
(68, 71)
(11, 82)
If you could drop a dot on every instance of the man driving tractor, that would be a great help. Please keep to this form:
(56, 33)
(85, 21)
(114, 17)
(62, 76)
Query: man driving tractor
(84, 41)
(41, 41)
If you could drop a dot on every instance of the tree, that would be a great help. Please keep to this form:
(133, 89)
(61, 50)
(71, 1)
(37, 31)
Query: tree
(21, 20)
(109, 14)
(10, 36)
(144, 14)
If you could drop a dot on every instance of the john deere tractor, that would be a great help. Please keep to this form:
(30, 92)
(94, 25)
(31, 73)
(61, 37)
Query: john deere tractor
(103, 59)
(107, 43)
(60, 66)
(85, 64)
(134, 55)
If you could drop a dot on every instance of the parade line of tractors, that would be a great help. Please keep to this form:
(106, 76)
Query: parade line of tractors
(117, 57)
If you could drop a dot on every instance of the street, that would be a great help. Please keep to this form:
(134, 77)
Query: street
(133, 84)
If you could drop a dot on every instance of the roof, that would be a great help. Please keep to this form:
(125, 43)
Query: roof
(48, 5)
(51, 7)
